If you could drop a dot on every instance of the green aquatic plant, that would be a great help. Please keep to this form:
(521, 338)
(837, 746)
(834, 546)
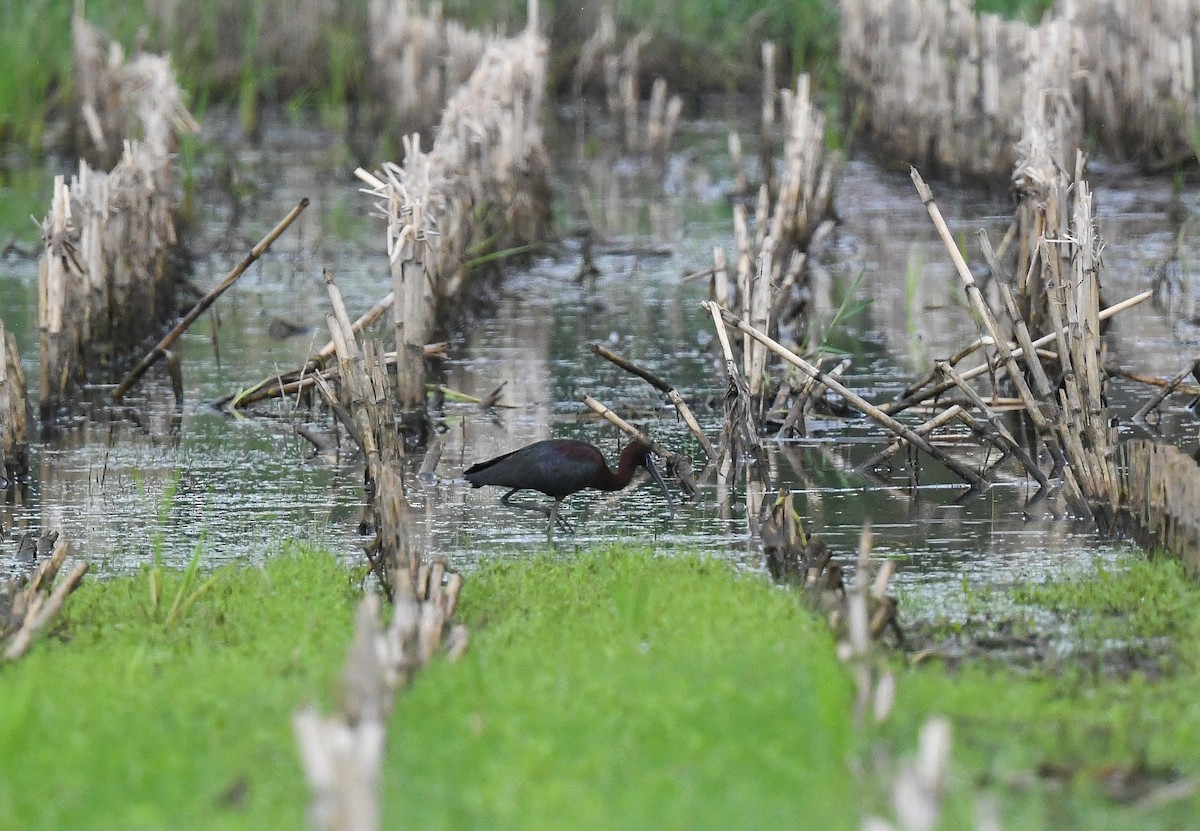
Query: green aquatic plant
(848, 309)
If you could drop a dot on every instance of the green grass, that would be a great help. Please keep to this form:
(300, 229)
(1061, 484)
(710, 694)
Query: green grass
(35, 63)
(616, 689)
(1107, 717)
(611, 688)
(122, 722)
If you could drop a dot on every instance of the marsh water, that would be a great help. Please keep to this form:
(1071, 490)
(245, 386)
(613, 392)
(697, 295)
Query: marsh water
(128, 484)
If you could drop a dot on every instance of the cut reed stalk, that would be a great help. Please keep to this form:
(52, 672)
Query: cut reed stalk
(860, 404)
(667, 389)
(29, 610)
(160, 349)
(14, 428)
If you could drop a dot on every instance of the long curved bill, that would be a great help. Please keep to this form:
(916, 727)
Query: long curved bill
(650, 466)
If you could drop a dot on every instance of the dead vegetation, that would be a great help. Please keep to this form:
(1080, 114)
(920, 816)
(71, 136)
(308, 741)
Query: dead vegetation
(941, 87)
(109, 268)
(418, 60)
(30, 602)
(14, 427)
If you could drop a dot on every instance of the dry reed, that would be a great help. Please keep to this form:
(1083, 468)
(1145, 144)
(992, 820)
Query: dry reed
(342, 753)
(1160, 492)
(947, 90)
(480, 192)
(418, 59)
(769, 289)
(119, 100)
(14, 429)
(943, 88)
(27, 608)
(107, 273)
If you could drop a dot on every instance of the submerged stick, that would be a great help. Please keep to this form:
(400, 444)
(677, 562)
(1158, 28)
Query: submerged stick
(667, 389)
(1166, 389)
(202, 305)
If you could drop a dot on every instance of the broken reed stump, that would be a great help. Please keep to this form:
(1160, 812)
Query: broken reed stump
(111, 256)
(342, 753)
(14, 429)
(793, 209)
(740, 452)
(797, 558)
(27, 607)
(363, 403)
(479, 195)
(1159, 489)
(121, 101)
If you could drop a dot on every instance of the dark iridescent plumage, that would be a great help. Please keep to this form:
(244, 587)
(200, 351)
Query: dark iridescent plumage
(559, 468)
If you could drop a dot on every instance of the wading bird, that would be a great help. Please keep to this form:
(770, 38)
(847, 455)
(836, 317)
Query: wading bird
(559, 468)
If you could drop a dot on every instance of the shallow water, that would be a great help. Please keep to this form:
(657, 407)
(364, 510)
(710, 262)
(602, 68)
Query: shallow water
(129, 484)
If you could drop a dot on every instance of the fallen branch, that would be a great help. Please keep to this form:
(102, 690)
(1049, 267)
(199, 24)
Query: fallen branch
(667, 389)
(859, 403)
(161, 348)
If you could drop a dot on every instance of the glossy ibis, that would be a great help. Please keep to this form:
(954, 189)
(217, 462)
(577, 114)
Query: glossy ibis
(559, 468)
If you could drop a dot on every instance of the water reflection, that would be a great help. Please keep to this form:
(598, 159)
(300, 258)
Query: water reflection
(124, 490)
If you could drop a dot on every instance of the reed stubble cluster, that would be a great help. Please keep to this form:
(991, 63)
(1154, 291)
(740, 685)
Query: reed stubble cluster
(342, 752)
(952, 92)
(108, 271)
(794, 207)
(1160, 489)
(14, 427)
(479, 194)
(418, 59)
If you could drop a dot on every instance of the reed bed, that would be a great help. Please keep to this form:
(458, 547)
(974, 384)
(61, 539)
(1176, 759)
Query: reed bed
(947, 90)
(418, 59)
(942, 87)
(14, 428)
(1160, 489)
(480, 194)
(107, 273)
(121, 100)
(1138, 77)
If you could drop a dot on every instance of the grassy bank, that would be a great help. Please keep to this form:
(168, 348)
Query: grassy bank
(620, 690)
(603, 689)
(125, 720)
(1092, 720)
